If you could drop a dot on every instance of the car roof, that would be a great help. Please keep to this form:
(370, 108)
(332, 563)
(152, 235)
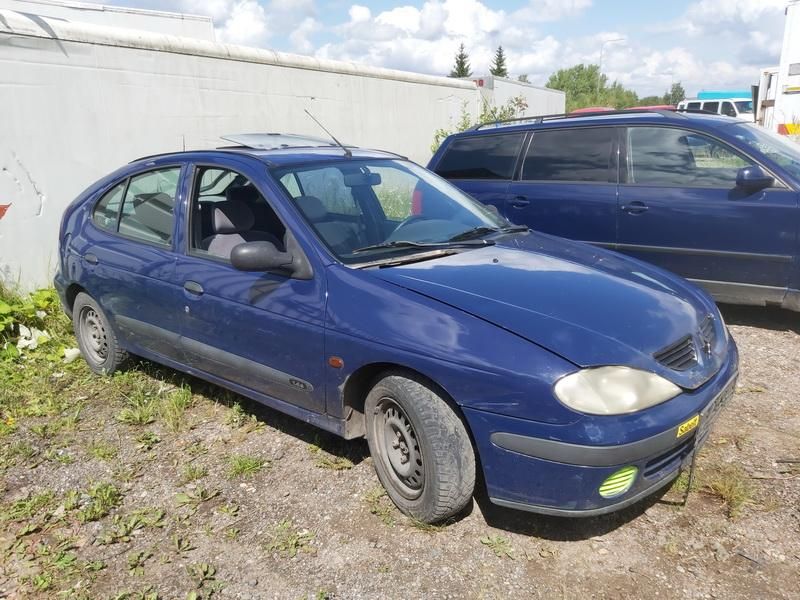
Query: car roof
(621, 117)
(277, 149)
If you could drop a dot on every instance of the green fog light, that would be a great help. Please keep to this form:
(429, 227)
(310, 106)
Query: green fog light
(618, 483)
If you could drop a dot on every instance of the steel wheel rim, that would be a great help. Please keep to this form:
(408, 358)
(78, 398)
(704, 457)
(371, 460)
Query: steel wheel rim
(93, 334)
(399, 449)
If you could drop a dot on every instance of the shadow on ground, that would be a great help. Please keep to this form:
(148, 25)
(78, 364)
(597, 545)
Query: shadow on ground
(775, 319)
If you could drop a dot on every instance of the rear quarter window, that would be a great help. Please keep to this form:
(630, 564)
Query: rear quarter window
(481, 157)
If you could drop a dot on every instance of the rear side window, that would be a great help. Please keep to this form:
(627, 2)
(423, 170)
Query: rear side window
(711, 106)
(148, 208)
(481, 157)
(106, 211)
(693, 106)
(581, 154)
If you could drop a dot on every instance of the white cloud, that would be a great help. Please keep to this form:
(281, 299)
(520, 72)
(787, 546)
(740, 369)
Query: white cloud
(551, 10)
(299, 37)
(246, 24)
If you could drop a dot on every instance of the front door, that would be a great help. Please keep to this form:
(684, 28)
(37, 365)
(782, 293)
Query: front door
(680, 208)
(568, 185)
(263, 331)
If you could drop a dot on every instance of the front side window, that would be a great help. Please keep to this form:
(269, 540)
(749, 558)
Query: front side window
(665, 156)
(481, 157)
(149, 204)
(401, 209)
(226, 210)
(745, 106)
(728, 109)
(777, 148)
(580, 154)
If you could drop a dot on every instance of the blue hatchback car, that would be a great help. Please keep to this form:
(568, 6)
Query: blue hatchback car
(363, 294)
(713, 199)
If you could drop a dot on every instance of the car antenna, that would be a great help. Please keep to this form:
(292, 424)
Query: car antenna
(347, 152)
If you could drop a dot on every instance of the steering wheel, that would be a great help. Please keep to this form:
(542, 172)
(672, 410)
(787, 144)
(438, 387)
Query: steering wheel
(407, 221)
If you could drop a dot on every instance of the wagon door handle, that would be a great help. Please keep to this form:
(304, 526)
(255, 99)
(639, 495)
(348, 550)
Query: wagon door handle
(634, 208)
(91, 259)
(519, 202)
(193, 288)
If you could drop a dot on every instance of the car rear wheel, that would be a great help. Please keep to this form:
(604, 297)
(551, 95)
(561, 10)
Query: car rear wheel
(420, 447)
(96, 338)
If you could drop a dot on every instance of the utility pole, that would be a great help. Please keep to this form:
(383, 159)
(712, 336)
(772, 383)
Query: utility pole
(600, 67)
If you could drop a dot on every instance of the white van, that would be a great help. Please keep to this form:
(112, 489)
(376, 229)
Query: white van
(731, 107)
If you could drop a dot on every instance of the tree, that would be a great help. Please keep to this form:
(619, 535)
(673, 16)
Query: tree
(675, 94)
(586, 86)
(515, 107)
(498, 67)
(461, 67)
(523, 78)
(650, 101)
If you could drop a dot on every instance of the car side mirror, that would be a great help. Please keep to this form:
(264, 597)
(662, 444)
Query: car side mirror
(753, 178)
(260, 256)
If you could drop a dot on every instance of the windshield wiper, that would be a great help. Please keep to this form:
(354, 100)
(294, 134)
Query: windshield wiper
(400, 244)
(482, 230)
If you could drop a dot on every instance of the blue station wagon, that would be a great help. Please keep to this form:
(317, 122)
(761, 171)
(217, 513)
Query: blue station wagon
(366, 296)
(713, 199)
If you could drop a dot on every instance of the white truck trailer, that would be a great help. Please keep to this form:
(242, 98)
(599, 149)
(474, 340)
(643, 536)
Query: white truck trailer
(779, 88)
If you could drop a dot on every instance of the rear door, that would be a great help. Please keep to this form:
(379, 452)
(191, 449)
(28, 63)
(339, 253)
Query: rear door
(568, 184)
(680, 209)
(482, 165)
(129, 260)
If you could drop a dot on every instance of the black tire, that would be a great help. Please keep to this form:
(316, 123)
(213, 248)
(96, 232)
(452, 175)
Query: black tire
(96, 338)
(407, 420)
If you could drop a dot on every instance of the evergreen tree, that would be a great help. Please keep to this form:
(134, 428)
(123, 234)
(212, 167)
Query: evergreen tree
(498, 67)
(461, 67)
(523, 78)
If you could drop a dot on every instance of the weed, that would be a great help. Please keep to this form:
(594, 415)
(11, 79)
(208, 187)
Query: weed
(204, 576)
(379, 505)
(499, 545)
(103, 498)
(232, 533)
(194, 498)
(72, 500)
(28, 507)
(730, 484)
(196, 449)
(244, 466)
(174, 406)
(181, 544)
(124, 527)
(145, 441)
(192, 473)
(236, 416)
(141, 406)
(287, 542)
(136, 561)
(103, 450)
(426, 527)
(231, 510)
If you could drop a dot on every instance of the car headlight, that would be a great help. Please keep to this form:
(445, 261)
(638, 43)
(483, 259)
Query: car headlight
(613, 390)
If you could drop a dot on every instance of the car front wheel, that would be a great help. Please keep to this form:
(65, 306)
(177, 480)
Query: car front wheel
(96, 338)
(420, 447)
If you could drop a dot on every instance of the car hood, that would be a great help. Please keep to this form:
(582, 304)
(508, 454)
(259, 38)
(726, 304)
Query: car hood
(590, 306)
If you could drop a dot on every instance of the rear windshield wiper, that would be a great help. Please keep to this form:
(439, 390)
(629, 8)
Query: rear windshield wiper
(404, 244)
(482, 230)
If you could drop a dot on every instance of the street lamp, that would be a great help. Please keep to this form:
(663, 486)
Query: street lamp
(600, 67)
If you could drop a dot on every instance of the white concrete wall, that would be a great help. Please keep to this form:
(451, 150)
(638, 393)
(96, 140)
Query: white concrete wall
(79, 100)
(497, 91)
(195, 26)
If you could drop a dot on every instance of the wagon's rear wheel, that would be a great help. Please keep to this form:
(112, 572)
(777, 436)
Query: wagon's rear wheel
(96, 338)
(420, 447)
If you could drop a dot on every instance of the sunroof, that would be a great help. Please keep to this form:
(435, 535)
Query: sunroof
(274, 141)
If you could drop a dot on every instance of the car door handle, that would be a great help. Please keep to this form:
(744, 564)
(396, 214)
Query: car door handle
(636, 207)
(91, 259)
(519, 202)
(193, 288)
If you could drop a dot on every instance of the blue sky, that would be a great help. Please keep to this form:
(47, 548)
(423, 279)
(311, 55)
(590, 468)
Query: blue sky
(705, 44)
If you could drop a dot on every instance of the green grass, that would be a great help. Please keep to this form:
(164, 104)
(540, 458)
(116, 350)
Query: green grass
(380, 506)
(499, 545)
(287, 541)
(244, 466)
(103, 450)
(174, 406)
(103, 498)
(192, 473)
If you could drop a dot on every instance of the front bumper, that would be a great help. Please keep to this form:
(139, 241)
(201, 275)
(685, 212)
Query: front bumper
(547, 474)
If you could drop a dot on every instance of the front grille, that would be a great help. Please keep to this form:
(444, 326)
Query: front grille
(707, 331)
(670, 459)
(679, 356)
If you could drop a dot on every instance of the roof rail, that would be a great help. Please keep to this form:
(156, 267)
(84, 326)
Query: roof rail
(669, 113)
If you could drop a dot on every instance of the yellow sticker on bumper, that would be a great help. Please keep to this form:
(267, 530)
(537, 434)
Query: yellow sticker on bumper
(686, 427)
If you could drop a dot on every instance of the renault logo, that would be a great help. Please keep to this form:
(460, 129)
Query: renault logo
(707, 346)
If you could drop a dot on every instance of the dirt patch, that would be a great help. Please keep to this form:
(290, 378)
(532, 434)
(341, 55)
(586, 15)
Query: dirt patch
(157, 485)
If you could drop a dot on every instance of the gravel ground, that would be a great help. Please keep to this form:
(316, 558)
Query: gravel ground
(311, 523)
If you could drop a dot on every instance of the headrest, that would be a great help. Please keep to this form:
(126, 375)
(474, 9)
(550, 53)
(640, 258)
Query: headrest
(231, 216)
(312, 207)
(246, 193)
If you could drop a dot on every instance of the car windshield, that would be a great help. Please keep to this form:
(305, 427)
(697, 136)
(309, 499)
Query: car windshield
(744, 106)
(776, 147)
(369, 210)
